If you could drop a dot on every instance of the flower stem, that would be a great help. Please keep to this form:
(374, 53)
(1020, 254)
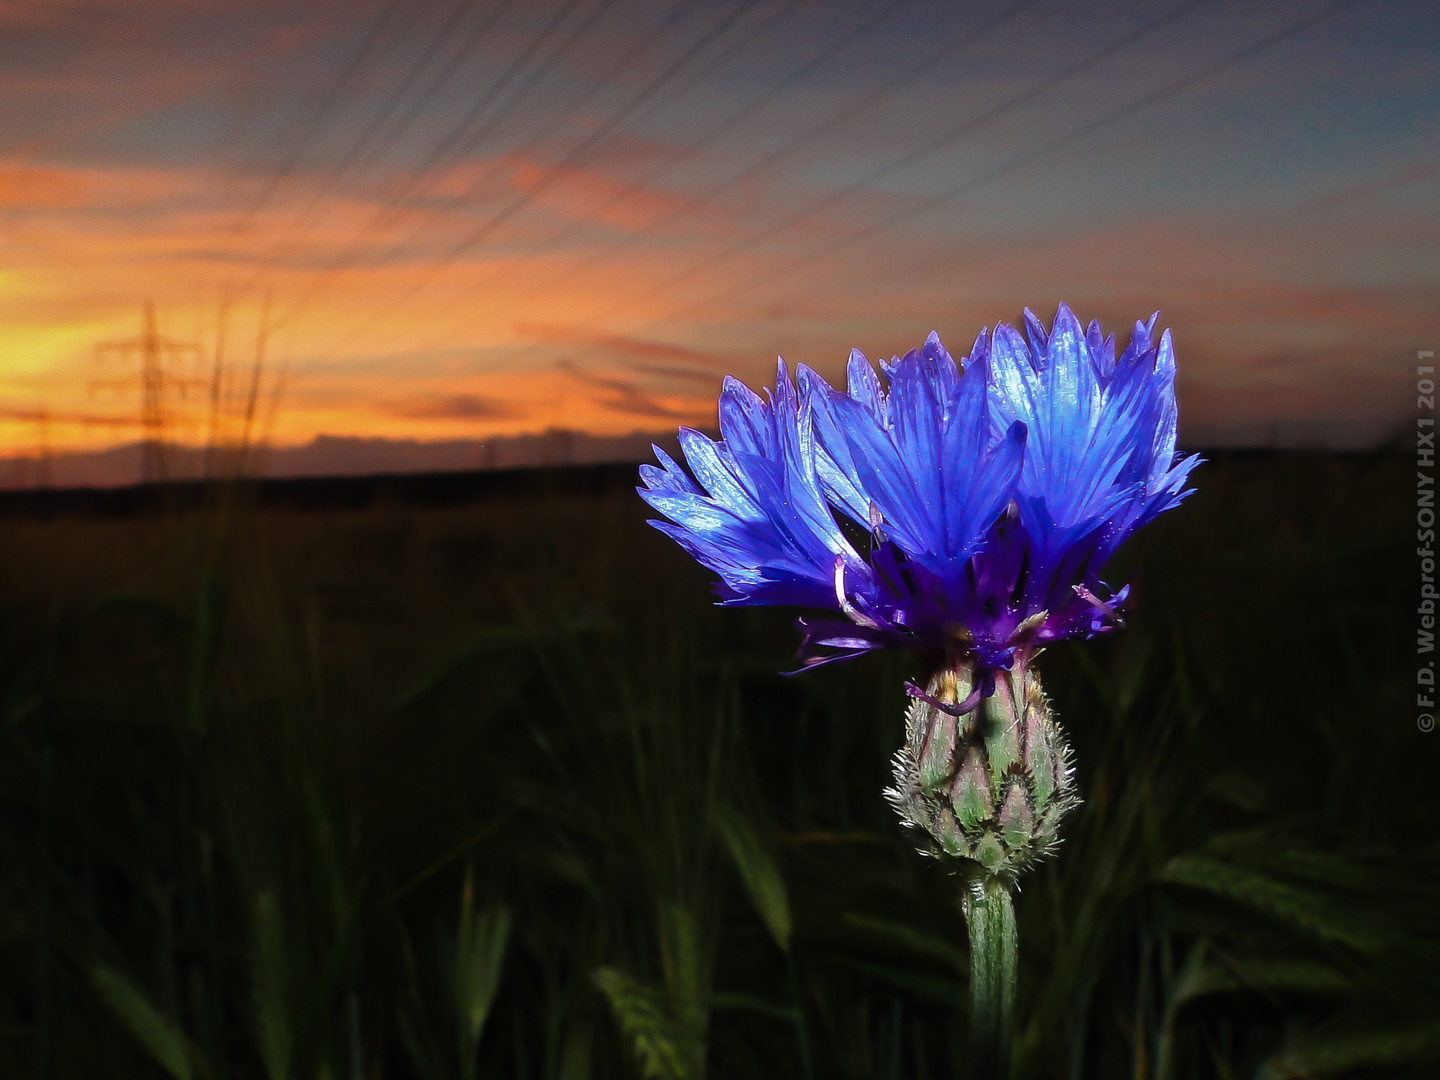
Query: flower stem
(990, 917)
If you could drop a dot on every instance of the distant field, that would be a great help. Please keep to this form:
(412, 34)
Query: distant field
(465, 775)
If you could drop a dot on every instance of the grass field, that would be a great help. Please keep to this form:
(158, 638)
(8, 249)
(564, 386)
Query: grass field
(384, 784)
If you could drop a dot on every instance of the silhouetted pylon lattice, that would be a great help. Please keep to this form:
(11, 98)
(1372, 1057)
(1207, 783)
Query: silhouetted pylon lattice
(155, 381)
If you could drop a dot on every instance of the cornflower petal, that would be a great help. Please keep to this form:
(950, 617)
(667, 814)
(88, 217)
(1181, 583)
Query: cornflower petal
(753, 513)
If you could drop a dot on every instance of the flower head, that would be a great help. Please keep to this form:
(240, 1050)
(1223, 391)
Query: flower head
(963, 510)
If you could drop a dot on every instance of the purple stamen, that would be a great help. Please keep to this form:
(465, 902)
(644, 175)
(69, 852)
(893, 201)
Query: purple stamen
(1100, 605)
(983, 689)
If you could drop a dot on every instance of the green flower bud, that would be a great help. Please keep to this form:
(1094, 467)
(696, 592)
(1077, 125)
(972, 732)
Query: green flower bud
(990, 785)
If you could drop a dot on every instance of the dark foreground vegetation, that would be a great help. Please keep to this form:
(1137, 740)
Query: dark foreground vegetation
(443, 782)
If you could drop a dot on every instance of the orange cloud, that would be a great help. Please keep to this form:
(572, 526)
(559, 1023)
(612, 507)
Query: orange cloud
(584, 193)
(28, 187)
(621, 345)
(628, 397)
(1406, 175)
(465, 407)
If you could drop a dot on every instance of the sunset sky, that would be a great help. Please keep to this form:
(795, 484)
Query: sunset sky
(463, 218)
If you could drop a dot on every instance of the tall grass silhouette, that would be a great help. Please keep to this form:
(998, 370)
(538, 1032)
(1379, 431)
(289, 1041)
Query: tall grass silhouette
(488, 790)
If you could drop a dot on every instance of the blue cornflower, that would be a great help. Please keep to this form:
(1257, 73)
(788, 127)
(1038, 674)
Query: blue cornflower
(964, 510)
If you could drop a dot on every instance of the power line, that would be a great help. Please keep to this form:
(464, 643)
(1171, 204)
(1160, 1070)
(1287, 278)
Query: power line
(946, 52)
(370, 139)
(303, 139)
(952, 135)
(363, 145)
(1058, 143)
(680, 152)
(557, 171)
(1023, 160)
(696, 49)
(460, 136)
(678, 12)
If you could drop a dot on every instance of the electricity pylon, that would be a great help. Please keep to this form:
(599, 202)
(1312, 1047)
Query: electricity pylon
(154, 351)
